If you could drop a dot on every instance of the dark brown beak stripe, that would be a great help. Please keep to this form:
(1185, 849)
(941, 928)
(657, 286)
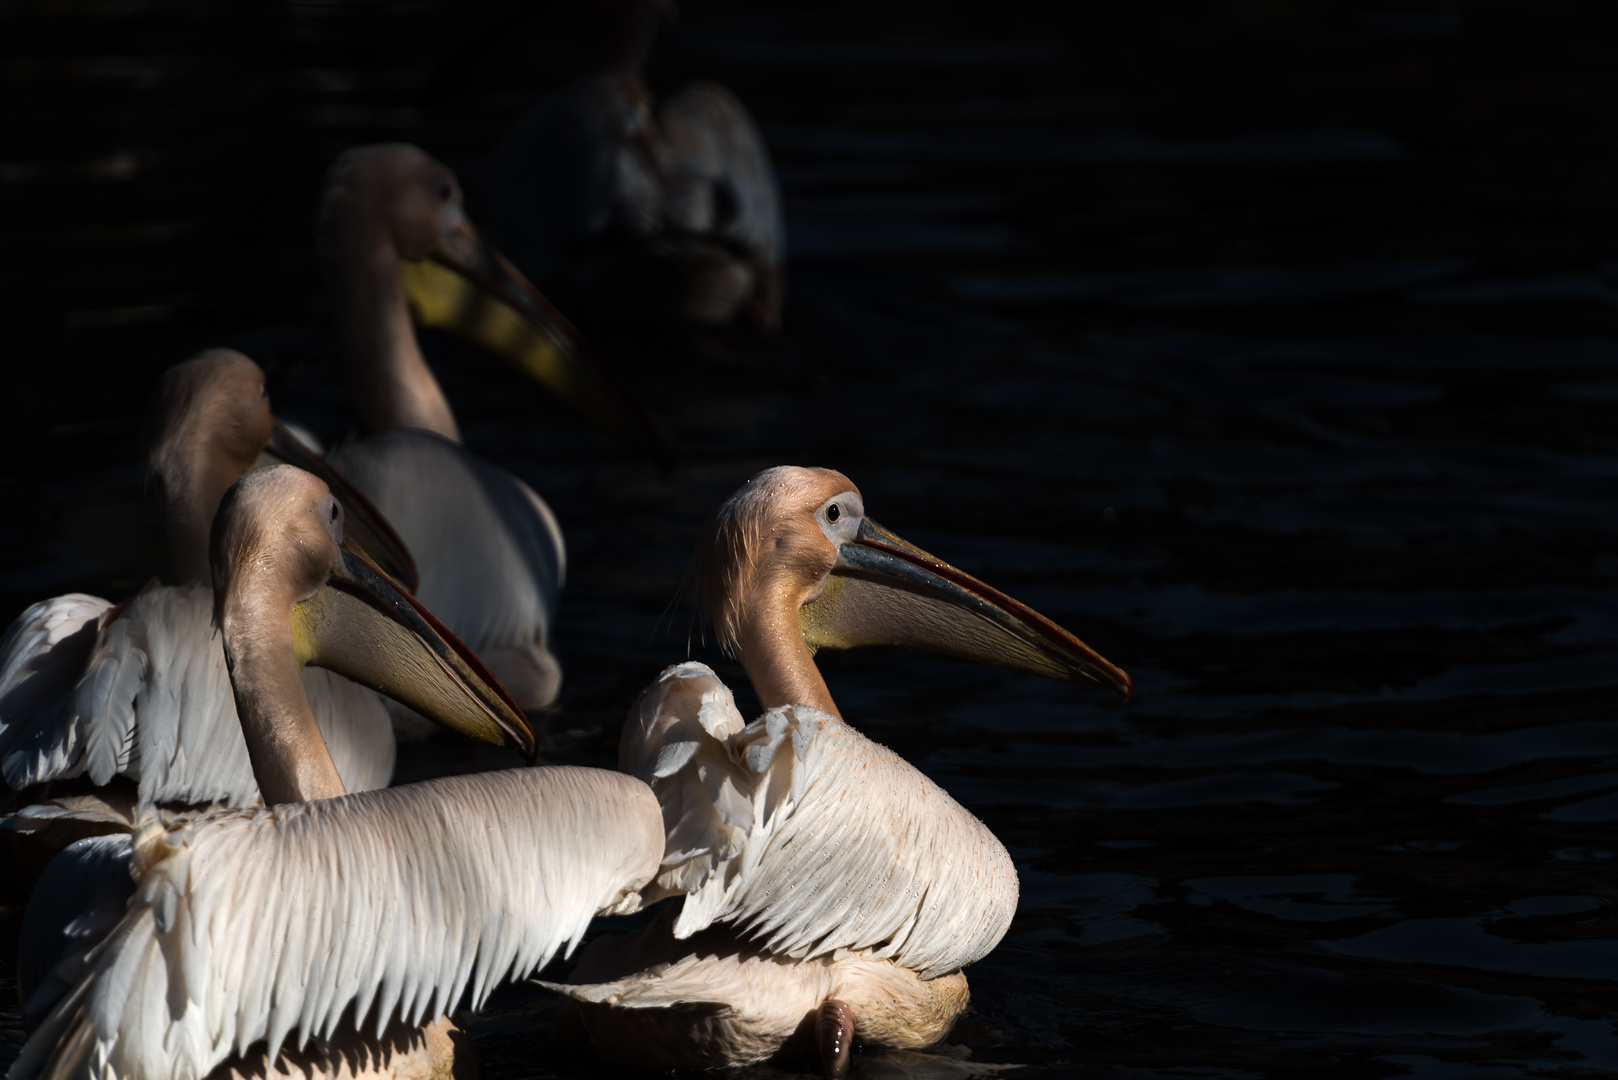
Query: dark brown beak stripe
(1118, 676)
(466, 654)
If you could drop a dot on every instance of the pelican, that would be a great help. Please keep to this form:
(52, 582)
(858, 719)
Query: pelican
(396, 244)
(673, 213)
(831, 891)
(118, 706)
(315, 936)
(637, 209)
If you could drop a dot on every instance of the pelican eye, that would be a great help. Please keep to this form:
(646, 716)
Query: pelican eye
(833, 512)
(334, 511)
(446, 191)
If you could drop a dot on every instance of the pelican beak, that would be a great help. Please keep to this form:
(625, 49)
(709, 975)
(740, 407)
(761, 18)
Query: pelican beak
(885, 591)
(364, 627)
(363, 523)
(466, 286)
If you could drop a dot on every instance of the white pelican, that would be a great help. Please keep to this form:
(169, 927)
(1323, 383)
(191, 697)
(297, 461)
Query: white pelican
(396, 243)
(833, 892)
(315, 936)
(116, 706)
(674, 214)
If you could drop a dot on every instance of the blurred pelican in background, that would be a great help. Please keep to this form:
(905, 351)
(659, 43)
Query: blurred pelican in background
(831, 891)
(396, 245)
(633, 209)
(326, 924)
(106, 708)
(667, 211)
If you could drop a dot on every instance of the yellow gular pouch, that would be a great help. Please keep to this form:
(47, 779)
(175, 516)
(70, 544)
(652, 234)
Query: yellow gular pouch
(305, 619)
(443, 299)
(493, 310)
(821, 620)
(338, 630)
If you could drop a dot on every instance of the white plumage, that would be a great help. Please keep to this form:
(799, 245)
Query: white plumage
(818, 866)
(488, 549)
(285, 924)
(808, 837)
(140, 690)
(832, 891)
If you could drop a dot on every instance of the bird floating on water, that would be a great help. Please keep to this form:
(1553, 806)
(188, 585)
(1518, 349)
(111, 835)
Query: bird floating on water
(831, 891)
(327, 925)
(396, 245)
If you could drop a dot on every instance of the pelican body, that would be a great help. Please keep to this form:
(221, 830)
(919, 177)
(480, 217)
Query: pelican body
(121, 706)
(316, 935)
(397, 248)
(831, 891)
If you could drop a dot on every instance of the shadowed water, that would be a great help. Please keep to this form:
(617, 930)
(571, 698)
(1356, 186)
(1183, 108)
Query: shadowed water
(1270, 348)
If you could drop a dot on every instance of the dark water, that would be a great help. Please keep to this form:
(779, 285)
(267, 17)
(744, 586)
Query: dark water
(1271, 347)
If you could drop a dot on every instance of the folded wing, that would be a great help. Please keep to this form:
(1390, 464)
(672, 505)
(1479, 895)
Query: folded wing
(279, 924)
(810, 838)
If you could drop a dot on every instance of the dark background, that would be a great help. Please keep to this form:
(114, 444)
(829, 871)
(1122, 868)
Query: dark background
(1268, 346)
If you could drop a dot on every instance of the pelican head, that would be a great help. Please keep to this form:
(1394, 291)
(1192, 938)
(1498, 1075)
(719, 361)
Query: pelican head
(208, 422)
(397, 245)
(392, 198)
(289, 591)
(791, 555)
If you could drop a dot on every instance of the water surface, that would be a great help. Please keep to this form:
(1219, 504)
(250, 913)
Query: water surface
(1271, 348)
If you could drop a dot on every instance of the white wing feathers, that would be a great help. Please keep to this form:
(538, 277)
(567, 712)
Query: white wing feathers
(279, 924)
(42, 656)
(810, 838)
(142, 691)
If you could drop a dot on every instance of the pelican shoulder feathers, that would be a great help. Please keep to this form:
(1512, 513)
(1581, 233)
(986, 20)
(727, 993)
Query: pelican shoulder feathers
(808, 837)
(293, 923)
